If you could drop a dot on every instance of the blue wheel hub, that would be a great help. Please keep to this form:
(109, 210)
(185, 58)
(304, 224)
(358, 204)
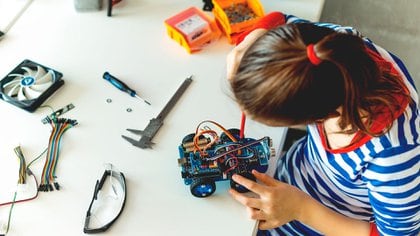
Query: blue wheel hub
(203, 189)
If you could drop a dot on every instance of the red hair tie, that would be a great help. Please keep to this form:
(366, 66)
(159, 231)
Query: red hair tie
(313, 58)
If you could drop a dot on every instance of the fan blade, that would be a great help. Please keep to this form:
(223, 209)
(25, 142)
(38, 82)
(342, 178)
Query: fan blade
(29, 71)
(41, 87)
(30, 93)
(46, 78)
(11, 83)
(12, 91)
(21, 95)
(39, 72)
(17, 76)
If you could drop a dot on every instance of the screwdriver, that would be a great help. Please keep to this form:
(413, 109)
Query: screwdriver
(122, 86)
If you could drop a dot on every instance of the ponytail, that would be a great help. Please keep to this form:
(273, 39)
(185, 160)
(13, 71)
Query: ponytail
(277, 81)
(366, 87)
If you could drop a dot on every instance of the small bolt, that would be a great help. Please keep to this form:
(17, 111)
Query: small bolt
(129, 110)
(109, 100)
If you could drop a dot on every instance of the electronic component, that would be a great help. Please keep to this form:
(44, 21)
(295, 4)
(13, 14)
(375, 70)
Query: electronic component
(29, 85)
(24, 171)
(206, 157)
(59, 127)
(22, 165)
(57, 113)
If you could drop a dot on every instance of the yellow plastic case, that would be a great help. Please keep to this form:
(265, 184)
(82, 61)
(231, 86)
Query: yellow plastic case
(232, 30)
(192, 29)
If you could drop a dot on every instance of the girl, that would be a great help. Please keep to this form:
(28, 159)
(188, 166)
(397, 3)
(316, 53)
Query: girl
(357, 170)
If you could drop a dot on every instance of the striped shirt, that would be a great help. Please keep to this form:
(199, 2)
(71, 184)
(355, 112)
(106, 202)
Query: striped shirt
(377, 180)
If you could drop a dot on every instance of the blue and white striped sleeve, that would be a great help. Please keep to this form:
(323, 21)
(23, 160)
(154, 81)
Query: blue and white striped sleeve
(393, 183)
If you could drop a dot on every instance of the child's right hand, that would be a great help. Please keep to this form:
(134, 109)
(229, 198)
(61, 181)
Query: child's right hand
(276, 203)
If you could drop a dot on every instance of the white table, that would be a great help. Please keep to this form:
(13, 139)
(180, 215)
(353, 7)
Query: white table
(132, 45)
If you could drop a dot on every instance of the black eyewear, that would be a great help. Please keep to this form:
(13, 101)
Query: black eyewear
(108, 176)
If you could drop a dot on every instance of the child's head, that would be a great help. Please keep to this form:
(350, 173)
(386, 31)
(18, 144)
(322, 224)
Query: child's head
(277, 83)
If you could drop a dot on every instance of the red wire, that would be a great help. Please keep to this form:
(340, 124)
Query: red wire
(44, 170)
(242, 130)
(235, 159)
(23, 200)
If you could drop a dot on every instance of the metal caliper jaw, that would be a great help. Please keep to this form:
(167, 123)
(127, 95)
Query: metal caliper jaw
(143, 143)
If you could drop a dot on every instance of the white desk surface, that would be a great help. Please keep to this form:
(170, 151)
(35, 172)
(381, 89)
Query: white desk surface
(132, 45)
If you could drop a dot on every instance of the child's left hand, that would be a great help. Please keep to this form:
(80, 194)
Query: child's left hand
(277, 203)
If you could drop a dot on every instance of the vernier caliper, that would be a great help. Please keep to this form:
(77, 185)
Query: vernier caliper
(155, 123)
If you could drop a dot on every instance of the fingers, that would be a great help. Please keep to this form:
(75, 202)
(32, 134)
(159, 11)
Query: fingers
(245, 200)
(265, 225)
(252, 205)
(271, 208)
(255, 214)
(264, 220)
(253, 186)
(265, 179)
(249, 184)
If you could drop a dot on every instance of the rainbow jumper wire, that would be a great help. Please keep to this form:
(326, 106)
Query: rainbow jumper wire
(59, 127)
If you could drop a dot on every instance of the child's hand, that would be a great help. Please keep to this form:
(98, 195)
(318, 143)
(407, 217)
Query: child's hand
(277, 204)
(235, 56)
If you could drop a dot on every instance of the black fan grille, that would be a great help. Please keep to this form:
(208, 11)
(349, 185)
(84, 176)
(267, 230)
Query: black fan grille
(15, 87)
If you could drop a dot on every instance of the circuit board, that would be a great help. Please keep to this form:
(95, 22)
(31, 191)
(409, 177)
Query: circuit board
(204, 161)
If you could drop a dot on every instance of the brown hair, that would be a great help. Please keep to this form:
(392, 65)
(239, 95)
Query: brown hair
(276, 81)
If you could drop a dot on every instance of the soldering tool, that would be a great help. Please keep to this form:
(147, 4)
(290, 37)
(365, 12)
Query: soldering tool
(122, 86)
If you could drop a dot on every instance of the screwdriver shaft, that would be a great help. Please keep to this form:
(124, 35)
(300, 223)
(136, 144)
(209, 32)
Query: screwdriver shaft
(137, 96)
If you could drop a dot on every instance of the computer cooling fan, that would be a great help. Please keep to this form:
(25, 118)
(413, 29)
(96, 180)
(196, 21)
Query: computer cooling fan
(29, 85)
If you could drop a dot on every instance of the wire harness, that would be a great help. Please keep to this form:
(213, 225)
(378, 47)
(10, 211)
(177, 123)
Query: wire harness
(24, 171)
(59, 127)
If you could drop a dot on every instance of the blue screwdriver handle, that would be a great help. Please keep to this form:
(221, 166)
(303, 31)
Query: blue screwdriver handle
(119, 84)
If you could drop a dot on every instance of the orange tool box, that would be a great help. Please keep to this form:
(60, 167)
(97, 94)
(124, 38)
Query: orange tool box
(237, 16)
(192, 29)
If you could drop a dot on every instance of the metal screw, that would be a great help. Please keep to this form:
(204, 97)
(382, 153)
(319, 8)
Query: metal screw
(239, 13)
